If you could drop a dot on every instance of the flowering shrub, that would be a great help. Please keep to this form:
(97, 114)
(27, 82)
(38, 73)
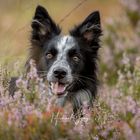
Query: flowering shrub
(31, 114)
(120, 36)
(132, 8)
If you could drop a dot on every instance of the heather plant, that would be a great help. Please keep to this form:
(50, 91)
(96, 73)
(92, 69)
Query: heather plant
(132, 9)
(123, 100)
(31, 113)
(120, 36)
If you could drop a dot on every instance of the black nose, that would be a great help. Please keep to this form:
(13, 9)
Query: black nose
(60, 73)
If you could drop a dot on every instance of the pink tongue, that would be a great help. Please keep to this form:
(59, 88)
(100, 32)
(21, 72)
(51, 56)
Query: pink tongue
(58, 88)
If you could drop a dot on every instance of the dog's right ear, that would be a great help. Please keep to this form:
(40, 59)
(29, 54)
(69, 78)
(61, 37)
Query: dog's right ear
(43, 27)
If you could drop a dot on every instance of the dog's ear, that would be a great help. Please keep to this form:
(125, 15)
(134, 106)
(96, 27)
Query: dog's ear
(89, 30)
(43, 27)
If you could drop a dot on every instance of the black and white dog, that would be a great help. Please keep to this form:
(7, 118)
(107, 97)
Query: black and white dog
(68, 61)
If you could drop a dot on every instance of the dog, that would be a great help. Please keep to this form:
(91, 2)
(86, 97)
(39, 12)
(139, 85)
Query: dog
(69, 62)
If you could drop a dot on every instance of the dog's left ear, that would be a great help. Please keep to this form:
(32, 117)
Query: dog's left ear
(89, 30)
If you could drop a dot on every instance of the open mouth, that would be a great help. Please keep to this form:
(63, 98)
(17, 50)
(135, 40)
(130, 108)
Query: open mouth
(58, 88)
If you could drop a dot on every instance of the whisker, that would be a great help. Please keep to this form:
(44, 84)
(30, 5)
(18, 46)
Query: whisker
(81, 82)
(91, 79)
(85, 77)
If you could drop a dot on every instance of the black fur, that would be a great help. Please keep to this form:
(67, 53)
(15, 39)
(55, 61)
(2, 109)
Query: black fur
(42, 21)
(45, 35)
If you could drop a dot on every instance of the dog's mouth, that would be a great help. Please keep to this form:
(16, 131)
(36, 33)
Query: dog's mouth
(58, 88)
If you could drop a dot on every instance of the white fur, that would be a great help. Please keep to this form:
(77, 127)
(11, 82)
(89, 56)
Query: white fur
(63, 45)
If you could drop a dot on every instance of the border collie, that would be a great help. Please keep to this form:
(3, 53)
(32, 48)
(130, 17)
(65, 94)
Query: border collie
(69, 62)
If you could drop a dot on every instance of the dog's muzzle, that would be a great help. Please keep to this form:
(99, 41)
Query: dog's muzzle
(59, 83)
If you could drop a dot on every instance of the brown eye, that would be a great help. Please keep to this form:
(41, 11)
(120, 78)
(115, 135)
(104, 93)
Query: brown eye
(49, 56)
(76, 59)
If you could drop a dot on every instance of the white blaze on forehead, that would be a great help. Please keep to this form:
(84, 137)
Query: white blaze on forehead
(65, 43)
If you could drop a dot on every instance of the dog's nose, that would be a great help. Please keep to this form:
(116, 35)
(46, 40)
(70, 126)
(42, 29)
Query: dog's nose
(60, 73)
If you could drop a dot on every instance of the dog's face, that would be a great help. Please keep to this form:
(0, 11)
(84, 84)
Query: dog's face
(64, 59)
(64, 62)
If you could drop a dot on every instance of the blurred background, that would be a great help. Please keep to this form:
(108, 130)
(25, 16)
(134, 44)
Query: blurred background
(16, 16)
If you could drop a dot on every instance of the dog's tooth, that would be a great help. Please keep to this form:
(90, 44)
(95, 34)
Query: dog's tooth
(55, 88)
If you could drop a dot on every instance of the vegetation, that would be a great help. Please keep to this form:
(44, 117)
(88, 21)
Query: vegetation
(30, 114)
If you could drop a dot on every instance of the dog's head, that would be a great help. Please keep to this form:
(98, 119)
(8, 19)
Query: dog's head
(64, 59)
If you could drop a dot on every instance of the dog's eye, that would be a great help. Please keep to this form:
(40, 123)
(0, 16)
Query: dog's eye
(76, 58)
(49, 56)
